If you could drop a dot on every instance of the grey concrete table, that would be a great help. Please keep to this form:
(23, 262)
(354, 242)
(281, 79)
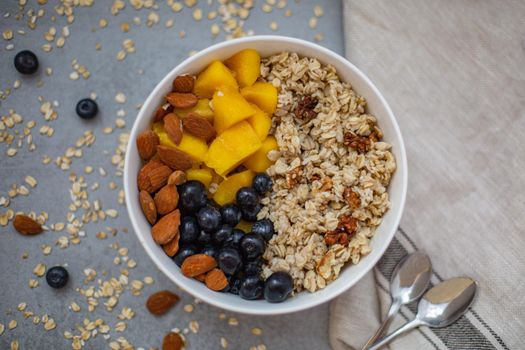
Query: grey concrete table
(158, 50)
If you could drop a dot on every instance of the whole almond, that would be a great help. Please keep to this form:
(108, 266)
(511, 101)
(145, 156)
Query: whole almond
(159, 303)
(173, 127)
(143, 180)
(178, 177)
(216, 280)
(166, 228)
(199, 126)
(197, 264)
(183, 83)
(166, 199)
(162, 111)
(148, 207)
(182, 100)
(158, 177)
(172, 247)
(147, 143)
(172, 341)
(23, 224)
(175, 159)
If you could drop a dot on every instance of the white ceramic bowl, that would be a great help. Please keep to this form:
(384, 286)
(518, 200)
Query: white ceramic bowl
(268, 45)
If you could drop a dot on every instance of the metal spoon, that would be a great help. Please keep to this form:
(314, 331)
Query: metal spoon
(441, 306)
(409, 281)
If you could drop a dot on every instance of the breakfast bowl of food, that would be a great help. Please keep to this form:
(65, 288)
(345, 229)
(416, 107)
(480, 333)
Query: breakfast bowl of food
(265, 175)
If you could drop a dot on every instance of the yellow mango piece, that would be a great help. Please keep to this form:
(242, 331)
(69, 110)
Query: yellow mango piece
(245, 226)
(203, 175)
(231, 147)
(227, 189)
(246, 66)
(229, 108)
(213, 77)
(264, 95)
(202, 108)
(260, 122)
(259, 161)
(193, 146)
(158, 128)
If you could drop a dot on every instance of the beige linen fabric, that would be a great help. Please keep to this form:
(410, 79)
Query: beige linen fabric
(454, 75)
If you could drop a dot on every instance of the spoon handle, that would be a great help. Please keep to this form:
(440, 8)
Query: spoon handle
(405, 328)
(392, 312)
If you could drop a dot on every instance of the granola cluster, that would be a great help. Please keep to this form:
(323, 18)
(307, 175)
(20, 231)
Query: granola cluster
(331, 173)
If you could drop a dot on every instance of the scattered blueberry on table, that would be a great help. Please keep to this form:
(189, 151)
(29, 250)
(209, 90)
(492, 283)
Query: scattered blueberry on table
(57, 277)
(87, 108)
(26, 62)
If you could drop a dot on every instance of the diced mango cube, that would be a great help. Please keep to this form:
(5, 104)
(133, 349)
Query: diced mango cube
(246, 66)
(213, 77)
(202, 108)
(260, 122)
(227, 190)
(245, 226)
(263, 95)
(194, 146)
(259, 161)
(229, 108)
(231, 147)
(204, 175)
(158, 128)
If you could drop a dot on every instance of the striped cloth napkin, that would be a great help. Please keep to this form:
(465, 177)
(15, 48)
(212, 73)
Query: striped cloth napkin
(454, 75)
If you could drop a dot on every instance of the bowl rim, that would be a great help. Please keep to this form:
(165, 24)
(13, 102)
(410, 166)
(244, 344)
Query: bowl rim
(400, 163)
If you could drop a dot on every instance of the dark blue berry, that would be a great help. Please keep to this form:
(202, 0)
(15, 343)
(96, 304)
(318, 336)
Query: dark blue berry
(211, 251)
(262, 183)
(87, 108)
(204, 238)
(231, 214)
(209, 218)
(247, 197)
(26, 62)
(189, 229)
(192, 196)
(278, 287)
(250, 214)
(235, 238)
(265, 228)
(184, 252)
(252, 246)
(234, 283)
(222, 234)
(229, 260)
(252, 287)
(57, 277)
(253, 268)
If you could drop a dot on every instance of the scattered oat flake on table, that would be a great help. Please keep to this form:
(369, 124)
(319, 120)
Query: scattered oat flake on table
(40, 269)
(120, 97)
(12, 324)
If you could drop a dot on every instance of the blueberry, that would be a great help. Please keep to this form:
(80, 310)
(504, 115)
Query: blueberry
(204, 238)
(210, 250)
(57, 277)
(262, 183)
(87, 108)
(231, 214)
(252, 246)
(222, 234)
(278, 287)
(188, 229)
(252, 288)
(234, 283)
(26, 62)
(247, 197)
(253, 268)
(250, 214)
(265, 228)
(184, 252)
(209, 218)
(229, 260)
(235, 238)
(192, 196)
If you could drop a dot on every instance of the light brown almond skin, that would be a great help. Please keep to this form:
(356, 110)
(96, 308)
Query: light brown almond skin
(166, 228)
(199, 126)
(183, 83)
(173, 127)
(148, 207)
(162, 111)
(143, 180)
(178, 177)
(175, 159)
(172, 341)
(181, 100)
(147, 143)
(172, 247)
(159, 303)
(158, 178)
(197, 264)
(166, 199)
(216, 280)
(24, 225)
